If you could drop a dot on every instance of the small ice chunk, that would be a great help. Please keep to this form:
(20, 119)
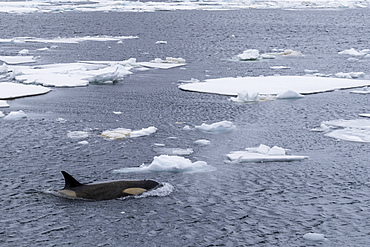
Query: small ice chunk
(23, 52)
(219, 127)
(289, 94)
(279, 67)
(248, 55)
(2, 114)
(4, 68)
(351, 52)
(351, 75)
(364, 115)
(161, 42)
(15, 115)
(244, 97)
(275, 150)
(267, 56)
(121, 133)
(263, 149)
(83, 142)
(202, 142)
(3, 103)
(314, 236)
(43, 49)
(117, 112)
(311, 71)
(187, 127)
(78, 134)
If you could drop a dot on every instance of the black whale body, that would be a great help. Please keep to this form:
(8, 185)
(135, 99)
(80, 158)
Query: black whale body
(105, 190)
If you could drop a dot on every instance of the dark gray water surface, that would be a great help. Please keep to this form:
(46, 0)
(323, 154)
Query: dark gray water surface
(250, 204)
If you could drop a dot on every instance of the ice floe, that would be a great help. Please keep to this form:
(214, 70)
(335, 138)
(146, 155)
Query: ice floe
(10, 90)
(254, 55)
(168, 63)
(3, 103)
(72, 74)
(289, 94)
(45, 6)
(314, 236)
(74, 40)
(272, 85)
(365, 90)
(122, 133)
(15, 115)
(263, 153)
(2, 114)
(169, 163)
(17, 59)
(174, 151)
(352, 52)
(219, 127)
(356, 130)
(202, 142)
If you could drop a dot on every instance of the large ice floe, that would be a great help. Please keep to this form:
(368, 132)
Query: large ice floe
(356, 130)
(168, 163)
(122, 133)
(58, 40)
(18, 59)
(263, 153)
(9, 90)
(72, 74)
(272, 85)
(43, 6)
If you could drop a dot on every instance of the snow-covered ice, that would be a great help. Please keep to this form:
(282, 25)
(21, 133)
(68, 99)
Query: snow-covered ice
(365, 90)
(74, 40)
(245, 97)
(364, 115)
(289, 94)
(356, 130)
(73, 74)
(168, 63)
(15, 115)
(17, 59)
(248, 55)
(3, 103)
(122, 133)
(202, 142)
(45, 6)
(352, 52)
(263, 153)
(10, 90)
(219, 127)
(272, 85)
(314, 236)
(168, 163)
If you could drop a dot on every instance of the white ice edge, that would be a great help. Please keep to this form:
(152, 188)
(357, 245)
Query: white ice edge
(272, 85)
(9, 90)
(44, 6)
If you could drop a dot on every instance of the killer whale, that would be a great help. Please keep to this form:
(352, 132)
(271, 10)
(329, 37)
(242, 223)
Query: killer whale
(105, 190)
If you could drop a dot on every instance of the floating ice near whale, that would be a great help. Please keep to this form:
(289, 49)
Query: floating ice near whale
(262, 153)
(167, 163)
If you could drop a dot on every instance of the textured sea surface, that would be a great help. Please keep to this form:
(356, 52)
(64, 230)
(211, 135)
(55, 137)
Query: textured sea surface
(245, 204)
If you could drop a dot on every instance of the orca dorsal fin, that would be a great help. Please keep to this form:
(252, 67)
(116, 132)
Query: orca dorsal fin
(70, 182)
